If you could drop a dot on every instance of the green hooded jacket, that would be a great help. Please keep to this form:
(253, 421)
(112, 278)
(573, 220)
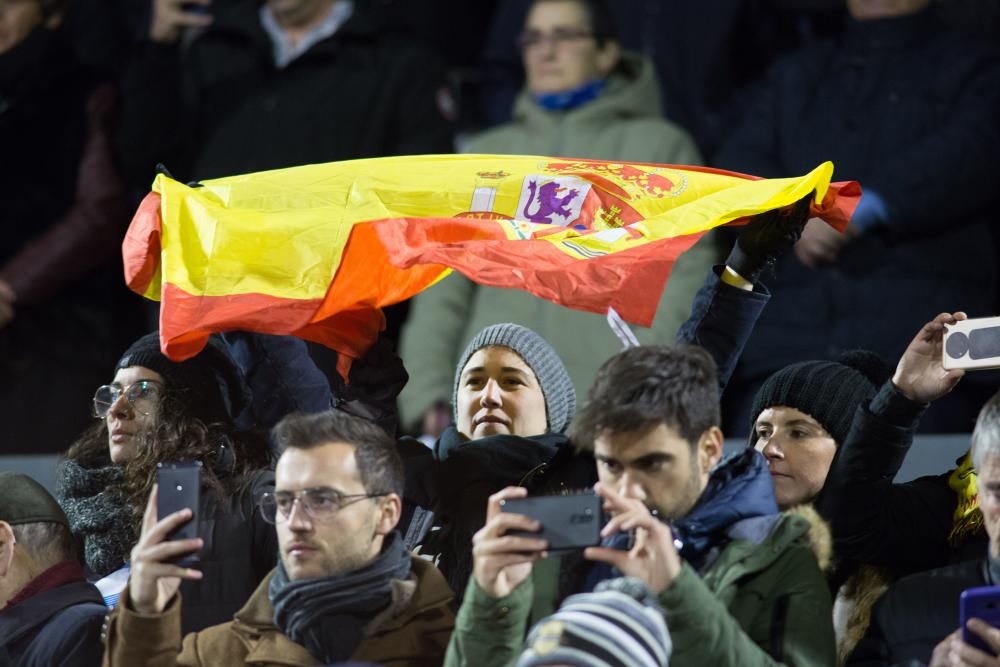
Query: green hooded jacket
(623, 123)
(763, 601)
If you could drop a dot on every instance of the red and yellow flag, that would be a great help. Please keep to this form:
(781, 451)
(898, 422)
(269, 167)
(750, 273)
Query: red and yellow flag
(316, 251)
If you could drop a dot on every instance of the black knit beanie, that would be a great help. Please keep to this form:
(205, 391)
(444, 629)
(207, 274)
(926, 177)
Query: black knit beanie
(557, 389)
(827, 391)
(209, 385)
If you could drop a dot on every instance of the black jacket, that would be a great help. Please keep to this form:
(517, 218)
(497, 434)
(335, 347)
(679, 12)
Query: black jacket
(58, 628)
(360, 93)
(902, 527)
(916, 614)
(910, 110)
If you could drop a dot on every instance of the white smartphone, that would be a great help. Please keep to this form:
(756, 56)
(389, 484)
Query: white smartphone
(972, 344)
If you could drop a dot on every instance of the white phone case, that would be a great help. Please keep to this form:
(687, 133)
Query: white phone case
(972, 344)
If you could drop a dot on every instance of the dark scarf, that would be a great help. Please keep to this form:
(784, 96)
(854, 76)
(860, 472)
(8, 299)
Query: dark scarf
(99, 513)
(328, 616)
(66, 572)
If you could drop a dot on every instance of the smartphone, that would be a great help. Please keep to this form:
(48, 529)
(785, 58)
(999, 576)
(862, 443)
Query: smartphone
(179, 488)
(972, 344)
(982, 603)
(568, 522)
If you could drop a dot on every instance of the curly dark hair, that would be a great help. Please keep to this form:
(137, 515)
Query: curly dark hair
(178, 436)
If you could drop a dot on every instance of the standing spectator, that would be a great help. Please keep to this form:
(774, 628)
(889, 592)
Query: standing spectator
(61, 222)
(584, 98)
(157, 410)
(49, 615)
(910, 110)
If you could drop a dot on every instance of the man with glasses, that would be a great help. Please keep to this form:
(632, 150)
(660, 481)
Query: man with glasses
(345, 587)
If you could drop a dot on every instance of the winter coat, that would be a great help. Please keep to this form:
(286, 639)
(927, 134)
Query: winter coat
(623, 123)
(60, 627)
(414, 633)
(884, 102)
(916, 614)
(759, 599)
(362, 92)
(904, 528)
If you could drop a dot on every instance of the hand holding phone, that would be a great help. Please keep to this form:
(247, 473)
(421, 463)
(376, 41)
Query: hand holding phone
(567, 522)
(154, 578)
(982, 603)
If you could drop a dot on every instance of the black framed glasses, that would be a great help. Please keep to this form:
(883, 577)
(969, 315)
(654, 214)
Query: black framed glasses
(320, 504)
(143, 396)
(531, 39)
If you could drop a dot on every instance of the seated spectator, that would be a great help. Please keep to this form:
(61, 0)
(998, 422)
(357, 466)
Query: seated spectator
(158, 410)
(620, 624)
(510, 419)
(916, 620)
(62, 222)
(49, 615)
(738, 581)
(345, 587)
(880, 281)
(584, 98)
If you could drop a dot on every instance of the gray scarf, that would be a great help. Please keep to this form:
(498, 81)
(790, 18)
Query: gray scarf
(328, 616)
(99, 513)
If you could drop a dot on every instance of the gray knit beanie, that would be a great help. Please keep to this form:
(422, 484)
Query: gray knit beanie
(557, 389)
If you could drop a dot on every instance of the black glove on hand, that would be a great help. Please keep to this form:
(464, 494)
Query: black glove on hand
(767, 237)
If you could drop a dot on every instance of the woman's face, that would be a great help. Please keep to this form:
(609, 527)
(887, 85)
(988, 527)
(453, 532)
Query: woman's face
(134, 411)
(799, 452)
(498, 394)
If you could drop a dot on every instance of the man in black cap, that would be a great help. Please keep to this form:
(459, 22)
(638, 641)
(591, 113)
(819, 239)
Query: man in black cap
(49, 614)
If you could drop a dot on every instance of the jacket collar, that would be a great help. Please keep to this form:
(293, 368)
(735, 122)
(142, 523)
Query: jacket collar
(255, 621)
(17, 621)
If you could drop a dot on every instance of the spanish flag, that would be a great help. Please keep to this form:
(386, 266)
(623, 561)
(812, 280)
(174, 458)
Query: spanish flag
(316, 251)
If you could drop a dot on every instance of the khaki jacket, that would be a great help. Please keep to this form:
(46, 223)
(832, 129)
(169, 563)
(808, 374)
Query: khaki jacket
(414, 630)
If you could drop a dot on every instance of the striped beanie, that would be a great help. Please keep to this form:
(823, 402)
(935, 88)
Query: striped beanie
(619, 624)
(557, 388)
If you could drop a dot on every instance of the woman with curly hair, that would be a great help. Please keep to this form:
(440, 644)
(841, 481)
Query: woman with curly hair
(158, 410)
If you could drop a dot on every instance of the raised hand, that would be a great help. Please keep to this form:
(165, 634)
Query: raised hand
(153, 582)
(169, 17)
(920, 376)
(500, 562)
(767, 237)
(653, 557)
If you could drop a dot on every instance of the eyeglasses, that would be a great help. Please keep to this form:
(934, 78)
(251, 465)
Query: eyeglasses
(320, 504)
(534, 38)
(142, 396)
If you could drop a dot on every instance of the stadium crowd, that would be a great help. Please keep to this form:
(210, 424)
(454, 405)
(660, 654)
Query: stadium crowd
(371, 518)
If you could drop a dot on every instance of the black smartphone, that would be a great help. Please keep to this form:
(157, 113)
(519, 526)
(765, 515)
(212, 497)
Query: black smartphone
(180, 488)
(568, 522)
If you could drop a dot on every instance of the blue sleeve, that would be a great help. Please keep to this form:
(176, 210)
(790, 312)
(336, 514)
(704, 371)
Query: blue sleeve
(722, 319)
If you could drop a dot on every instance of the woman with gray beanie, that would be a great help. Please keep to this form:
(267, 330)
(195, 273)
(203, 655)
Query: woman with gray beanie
(512, 402)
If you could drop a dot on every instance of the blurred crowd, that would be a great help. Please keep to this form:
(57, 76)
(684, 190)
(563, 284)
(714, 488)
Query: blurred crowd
(362, 519)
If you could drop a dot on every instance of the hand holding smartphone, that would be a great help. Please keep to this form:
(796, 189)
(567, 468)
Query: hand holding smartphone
(180, 488)
(982, 603)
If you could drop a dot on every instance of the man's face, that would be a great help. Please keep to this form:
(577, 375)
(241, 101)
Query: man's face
(498, 394)
(988, 481)
(17, 19)
(799, 452)
(656, 466)
(128, 421)
(342, 541)
(559, 50)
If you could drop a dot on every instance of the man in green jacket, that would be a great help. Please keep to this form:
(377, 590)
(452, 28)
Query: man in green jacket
(737, 580)
(584, 99)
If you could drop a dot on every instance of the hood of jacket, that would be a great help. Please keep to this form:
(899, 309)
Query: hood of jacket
(738, 489)
(632, 92)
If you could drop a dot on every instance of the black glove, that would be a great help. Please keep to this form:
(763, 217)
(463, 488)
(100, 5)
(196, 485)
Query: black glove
(767, 237)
